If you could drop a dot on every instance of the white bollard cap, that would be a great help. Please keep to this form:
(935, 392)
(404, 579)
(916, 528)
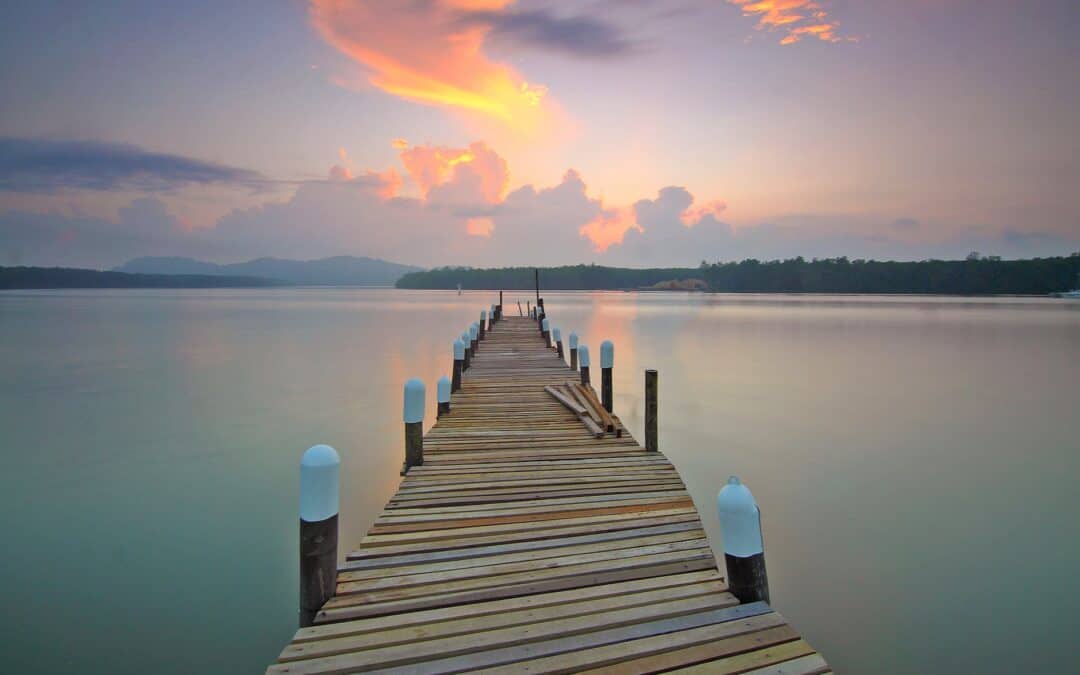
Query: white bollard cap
(483, 315)
(583, 356)
(465, 338)
(573, 340)
(320, 470)
(607, 354)
(556, 334)
(474, 330)
(414, 401)
(740, 520)
(459, 350)
(442, 389)
(544, 324)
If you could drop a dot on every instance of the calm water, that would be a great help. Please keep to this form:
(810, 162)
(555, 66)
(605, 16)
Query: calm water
(915, 460)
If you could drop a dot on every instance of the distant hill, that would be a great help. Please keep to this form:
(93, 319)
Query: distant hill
(71, 277)
(336, 271)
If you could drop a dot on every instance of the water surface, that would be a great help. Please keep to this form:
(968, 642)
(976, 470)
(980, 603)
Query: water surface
(914, 458)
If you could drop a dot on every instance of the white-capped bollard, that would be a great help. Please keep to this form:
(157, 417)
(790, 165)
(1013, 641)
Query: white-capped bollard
(607, 362)
(583, 360)
(459, 364)
(467, 341)
(491, 318)
(414, 424)
(744, 551)
(545, 331)
(556, 335)
(573, 351)
(483, 322)
(320, 476)
(442, 393)
(474, 338)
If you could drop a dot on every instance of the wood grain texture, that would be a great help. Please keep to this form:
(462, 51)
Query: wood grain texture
(538, 536)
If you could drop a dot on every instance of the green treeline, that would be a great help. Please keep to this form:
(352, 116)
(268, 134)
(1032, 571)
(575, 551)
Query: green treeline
(975, 275)
(566, 278)
(72, 277)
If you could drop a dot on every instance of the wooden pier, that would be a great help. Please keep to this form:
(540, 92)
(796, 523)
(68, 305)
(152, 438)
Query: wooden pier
(526, 544)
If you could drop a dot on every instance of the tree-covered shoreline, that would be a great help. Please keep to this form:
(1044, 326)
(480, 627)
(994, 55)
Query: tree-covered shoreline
(975, 275)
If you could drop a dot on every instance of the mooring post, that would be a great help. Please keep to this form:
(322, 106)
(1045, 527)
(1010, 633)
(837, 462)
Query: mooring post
(414, 424)
(492, 317)
(528, 309)
(556, 335)
(467, 342)
(459, 364)
(545, 332)
(320, 471)
(744, 551)
(474, 338)
(442, 393)
(573, 350)
(607, 362)
(483, 320)
(500, 311)
(583, 359)
(651, 439)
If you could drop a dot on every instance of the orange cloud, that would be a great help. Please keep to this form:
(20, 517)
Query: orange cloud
(419, 52)
(609, 227)
(797, 18)
(399, 144)
(692, 216)
(479, 227)
(478, 168)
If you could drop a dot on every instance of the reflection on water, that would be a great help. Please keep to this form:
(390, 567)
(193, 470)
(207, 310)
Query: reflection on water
(914, 459)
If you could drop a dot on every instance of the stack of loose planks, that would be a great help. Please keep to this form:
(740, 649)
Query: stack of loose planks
(581, 400)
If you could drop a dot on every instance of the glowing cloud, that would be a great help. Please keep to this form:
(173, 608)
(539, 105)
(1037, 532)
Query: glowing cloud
(796, 18)
(609, 227)
(479, 227)
(476, 170)
(692, 216)
(419, 51)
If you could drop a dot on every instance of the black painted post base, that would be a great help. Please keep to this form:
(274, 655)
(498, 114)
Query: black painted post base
(573, 358)
(605, 388)
(585, 375)
(444, 408)
(558, 347)
(414, 445)
(318, 566)
(455, 380)
(747, 579)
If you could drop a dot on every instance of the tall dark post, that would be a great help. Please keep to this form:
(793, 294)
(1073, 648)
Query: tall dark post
(483, 320)
(583, 359)
(320, 470)
(459, 365)
(537, 276)
(607, 362)
(442, 394)
(414, 424)
(651, 386)
(474, 338)
(744, 550)
(500, 311)
(467, 341)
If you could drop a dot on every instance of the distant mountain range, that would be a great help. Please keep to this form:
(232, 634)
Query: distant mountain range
(336, 271)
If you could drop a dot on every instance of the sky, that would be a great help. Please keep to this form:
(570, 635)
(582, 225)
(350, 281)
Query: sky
(493, 132)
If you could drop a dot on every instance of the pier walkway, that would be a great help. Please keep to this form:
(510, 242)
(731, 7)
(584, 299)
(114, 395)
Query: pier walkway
(526, 545)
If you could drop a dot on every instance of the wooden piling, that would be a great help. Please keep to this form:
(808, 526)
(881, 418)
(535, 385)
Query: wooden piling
(744, 549)
(459, 365)
(320, 470)
(414, 424)
(583, 360)
(607, 363)
(651, 387)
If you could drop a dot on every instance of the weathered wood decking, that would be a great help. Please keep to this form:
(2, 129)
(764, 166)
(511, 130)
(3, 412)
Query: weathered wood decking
(523, 544)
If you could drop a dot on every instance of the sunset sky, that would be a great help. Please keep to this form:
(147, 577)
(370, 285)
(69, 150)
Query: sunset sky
(491, 132)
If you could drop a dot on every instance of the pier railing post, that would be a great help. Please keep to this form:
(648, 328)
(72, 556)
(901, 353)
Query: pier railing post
(607, 362)
(480, 326)
(467, 342)
(651, 436)
(583, 359)
(474, 338)
(413, 415)
(499, 312)
(442, 393)
(492, 317)
(744, 550)
(573, 350)
(545, 332)
(459, 364)
(556, 335)
(320, 472)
